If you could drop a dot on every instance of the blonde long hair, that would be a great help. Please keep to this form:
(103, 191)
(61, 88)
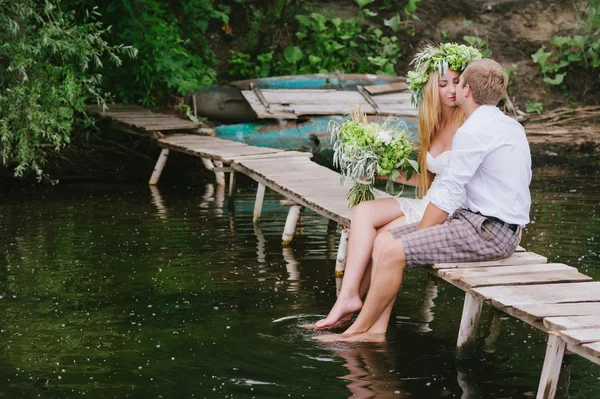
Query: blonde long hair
(430, 119)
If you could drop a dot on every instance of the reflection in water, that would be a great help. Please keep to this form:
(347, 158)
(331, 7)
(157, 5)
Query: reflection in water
(494, 332)
(371, 372)
(292, 269)
(214, 193)
(467, 382)
(158, 202)
(260, 243)
(431, 292)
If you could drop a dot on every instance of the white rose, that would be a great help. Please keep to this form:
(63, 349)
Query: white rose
(384, 136)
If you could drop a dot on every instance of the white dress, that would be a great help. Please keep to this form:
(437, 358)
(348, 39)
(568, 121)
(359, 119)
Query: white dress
(414, 208)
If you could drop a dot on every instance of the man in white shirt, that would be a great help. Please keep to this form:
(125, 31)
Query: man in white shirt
(491, 163)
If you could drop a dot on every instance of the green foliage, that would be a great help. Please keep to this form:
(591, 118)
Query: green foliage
(323, 44)
(480, 44)
(511, 72)
(579, 52)
(534, 106)
(174, 56)
(411, 8)
(48, 71)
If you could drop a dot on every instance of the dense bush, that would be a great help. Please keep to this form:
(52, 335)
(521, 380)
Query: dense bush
(174, 56)
(48, 71)
(577, 55)
(321, 44)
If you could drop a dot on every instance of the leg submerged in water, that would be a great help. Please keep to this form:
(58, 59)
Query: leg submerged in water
(368, 220)
(389, 262)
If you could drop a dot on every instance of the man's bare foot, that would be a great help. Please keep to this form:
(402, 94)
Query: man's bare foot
(342, 309)
(342, 323)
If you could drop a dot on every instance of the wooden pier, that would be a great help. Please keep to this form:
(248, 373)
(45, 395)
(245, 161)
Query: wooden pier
(554, 298)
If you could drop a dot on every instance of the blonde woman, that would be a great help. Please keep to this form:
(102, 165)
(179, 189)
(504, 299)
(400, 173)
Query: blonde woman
(433, 84)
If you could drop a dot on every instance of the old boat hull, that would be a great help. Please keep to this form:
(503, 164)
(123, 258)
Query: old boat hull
(306, 134)
(225, 103)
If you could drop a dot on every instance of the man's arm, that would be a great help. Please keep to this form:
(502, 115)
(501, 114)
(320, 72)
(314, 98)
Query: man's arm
(432, 216)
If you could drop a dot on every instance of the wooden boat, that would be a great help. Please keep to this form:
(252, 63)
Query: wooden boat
(293, 112)
(304, 134)
(290, 97)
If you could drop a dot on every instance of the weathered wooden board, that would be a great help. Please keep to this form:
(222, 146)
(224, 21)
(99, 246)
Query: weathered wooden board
(307, 183)
(459, 273)
(512, 275)
(572, 322)
(518, 258)
(583, 336)
(212, 147)
(386, 88)
(143, 119)
(536, 312)
(593, 350)
(289, 104)
(502, 296)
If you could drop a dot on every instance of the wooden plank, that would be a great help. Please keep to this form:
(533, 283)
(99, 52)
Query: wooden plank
(281, 154)
(322, 109)
(534, 274)
(502, 296)
(455, 274)
(180, 126)
(299, 97)
(224, 156)
(582, 336)
(138, 115)
(518, 258)
(536, 312)
(340, 217)
(572, 322)
(262, 112)
(561, 276)
(593, 349)
(386, 88)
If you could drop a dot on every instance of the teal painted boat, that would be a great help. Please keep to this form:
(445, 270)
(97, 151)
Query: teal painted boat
(226, 104)
(308, 134)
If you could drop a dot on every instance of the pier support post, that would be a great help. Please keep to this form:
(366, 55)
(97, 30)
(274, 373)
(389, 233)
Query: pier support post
(555, 351)
(340, 262)
(231, 183)
(290, 224)
(468, 326)
(260, 195)
(231, 192)
(158, 168)
(219, 176)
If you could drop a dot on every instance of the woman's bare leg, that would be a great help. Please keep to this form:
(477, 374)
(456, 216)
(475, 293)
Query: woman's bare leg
(368, 217)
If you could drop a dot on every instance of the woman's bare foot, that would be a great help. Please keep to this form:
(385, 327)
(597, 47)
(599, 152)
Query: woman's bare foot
(344, 322)
(356, 337)
(342, 309)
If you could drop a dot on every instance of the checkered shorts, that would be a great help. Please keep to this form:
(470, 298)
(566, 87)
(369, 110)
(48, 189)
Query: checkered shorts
(463, 237)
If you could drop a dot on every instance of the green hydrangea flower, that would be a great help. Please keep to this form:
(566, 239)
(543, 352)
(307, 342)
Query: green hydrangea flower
(446, 56)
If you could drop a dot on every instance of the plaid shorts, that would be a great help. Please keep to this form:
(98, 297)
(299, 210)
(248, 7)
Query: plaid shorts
(463, 237)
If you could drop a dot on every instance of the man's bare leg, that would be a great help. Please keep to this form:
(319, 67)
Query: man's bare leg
(367, 218)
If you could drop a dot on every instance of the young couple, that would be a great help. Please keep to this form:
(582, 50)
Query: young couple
(474, 208)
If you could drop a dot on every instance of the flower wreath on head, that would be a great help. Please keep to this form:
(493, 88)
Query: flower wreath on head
(440, 58)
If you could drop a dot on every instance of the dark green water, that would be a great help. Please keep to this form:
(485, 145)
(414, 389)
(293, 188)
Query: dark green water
(117, 291)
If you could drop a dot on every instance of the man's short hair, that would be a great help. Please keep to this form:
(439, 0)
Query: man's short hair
(487, 81)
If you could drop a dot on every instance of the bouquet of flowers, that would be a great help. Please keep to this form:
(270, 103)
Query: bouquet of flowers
(364, 150)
